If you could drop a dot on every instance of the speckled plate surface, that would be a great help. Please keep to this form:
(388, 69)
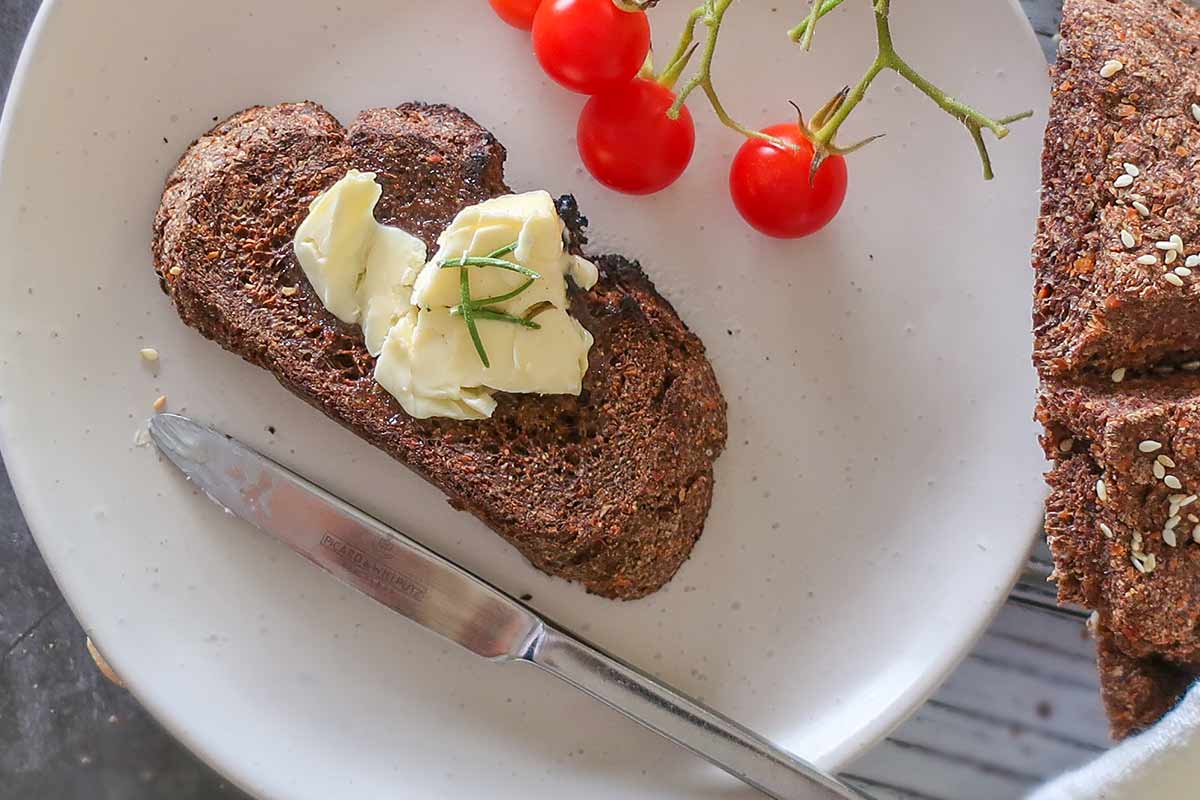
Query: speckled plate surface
(880, 489)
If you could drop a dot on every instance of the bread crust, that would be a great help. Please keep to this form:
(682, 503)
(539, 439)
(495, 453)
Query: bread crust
(610, 489)
(1117, 342)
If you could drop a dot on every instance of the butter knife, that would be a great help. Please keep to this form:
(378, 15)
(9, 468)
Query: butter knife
(415, 582)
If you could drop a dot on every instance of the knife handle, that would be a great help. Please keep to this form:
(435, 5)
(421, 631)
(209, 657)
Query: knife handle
(689, 723)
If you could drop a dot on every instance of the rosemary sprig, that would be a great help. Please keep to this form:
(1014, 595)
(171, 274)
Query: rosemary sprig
(471, 309)
(468, 315)
(489, 261)
(500, 316)
(500, 298)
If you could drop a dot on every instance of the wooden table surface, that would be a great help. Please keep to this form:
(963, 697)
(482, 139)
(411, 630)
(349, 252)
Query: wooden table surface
(1022, 707)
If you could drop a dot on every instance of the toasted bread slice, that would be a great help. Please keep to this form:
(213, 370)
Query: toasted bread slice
(610, 488)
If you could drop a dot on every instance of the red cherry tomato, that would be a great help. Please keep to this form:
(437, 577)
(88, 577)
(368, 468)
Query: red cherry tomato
(518, 13)
(628, 142)
(590, 46)
(771, 188)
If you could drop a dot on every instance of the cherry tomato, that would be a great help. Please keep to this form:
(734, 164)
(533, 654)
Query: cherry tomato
(590, 46)
(771, 188)
(628, 142)
(518, 13)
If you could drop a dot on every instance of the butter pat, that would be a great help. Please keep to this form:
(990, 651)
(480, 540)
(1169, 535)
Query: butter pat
(376, 276)
(362, 271)
(433, 361)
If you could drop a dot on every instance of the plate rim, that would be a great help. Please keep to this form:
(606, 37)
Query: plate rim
(885, 720)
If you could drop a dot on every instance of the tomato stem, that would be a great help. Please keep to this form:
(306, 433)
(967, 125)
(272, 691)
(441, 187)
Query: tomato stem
(803, 32)
(887, 58)
(711, 13)
(647, 69)
(671, 74)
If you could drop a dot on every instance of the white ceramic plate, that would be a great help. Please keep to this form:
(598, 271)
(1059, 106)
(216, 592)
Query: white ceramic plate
(880, 488)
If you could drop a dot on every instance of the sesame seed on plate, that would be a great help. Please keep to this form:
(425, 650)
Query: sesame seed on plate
(1170, 256)
(148, 353)
(1190, 366)
(1196, 112)
(1166, 461)
(1131, 169)
(1182, 272)
(1118, 375)
(1106, 530)
(1173, 522)
(1150, 561)
(1147, 259)
(1173, 279)
(1141, 208)
(175, 272)
(1136, 540)
(1169, 538)
(1177, 241)
(1123, 180)
(1110, 68)
(1196, 534)
(1127, 238)
(288, 291)
(1172, 482)
(1137, 562)
(1101, 491)
(1193, 518)
(1187, 501)
(1166, 244)
(1192, 261)
(1065, 445)
(1159, 470)
(1150, 446)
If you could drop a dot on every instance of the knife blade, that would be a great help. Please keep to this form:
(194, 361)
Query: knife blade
(437, 594)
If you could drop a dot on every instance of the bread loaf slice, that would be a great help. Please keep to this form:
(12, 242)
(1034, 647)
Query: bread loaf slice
(610, 488)
(1117, 342)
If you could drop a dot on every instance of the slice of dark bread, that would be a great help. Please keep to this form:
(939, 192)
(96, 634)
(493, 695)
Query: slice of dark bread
(1097, 307)
(610, 488)
(1117, 342)
(1123, 436)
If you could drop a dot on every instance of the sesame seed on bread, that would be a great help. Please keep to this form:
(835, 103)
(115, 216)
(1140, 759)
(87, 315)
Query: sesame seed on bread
(1117, 341)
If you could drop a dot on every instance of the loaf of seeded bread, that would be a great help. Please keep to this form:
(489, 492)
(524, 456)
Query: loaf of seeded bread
(1117, 341)
(610, 488)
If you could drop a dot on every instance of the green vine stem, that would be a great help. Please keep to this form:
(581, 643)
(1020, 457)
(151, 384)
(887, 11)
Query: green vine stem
(824, 126)
(803, 32)
(888, 58)
(711, 13)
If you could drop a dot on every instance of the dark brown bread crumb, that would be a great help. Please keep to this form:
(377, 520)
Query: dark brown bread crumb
(610, 488)
(1115, 340)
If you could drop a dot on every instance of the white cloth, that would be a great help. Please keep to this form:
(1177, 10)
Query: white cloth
(1161, 764)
